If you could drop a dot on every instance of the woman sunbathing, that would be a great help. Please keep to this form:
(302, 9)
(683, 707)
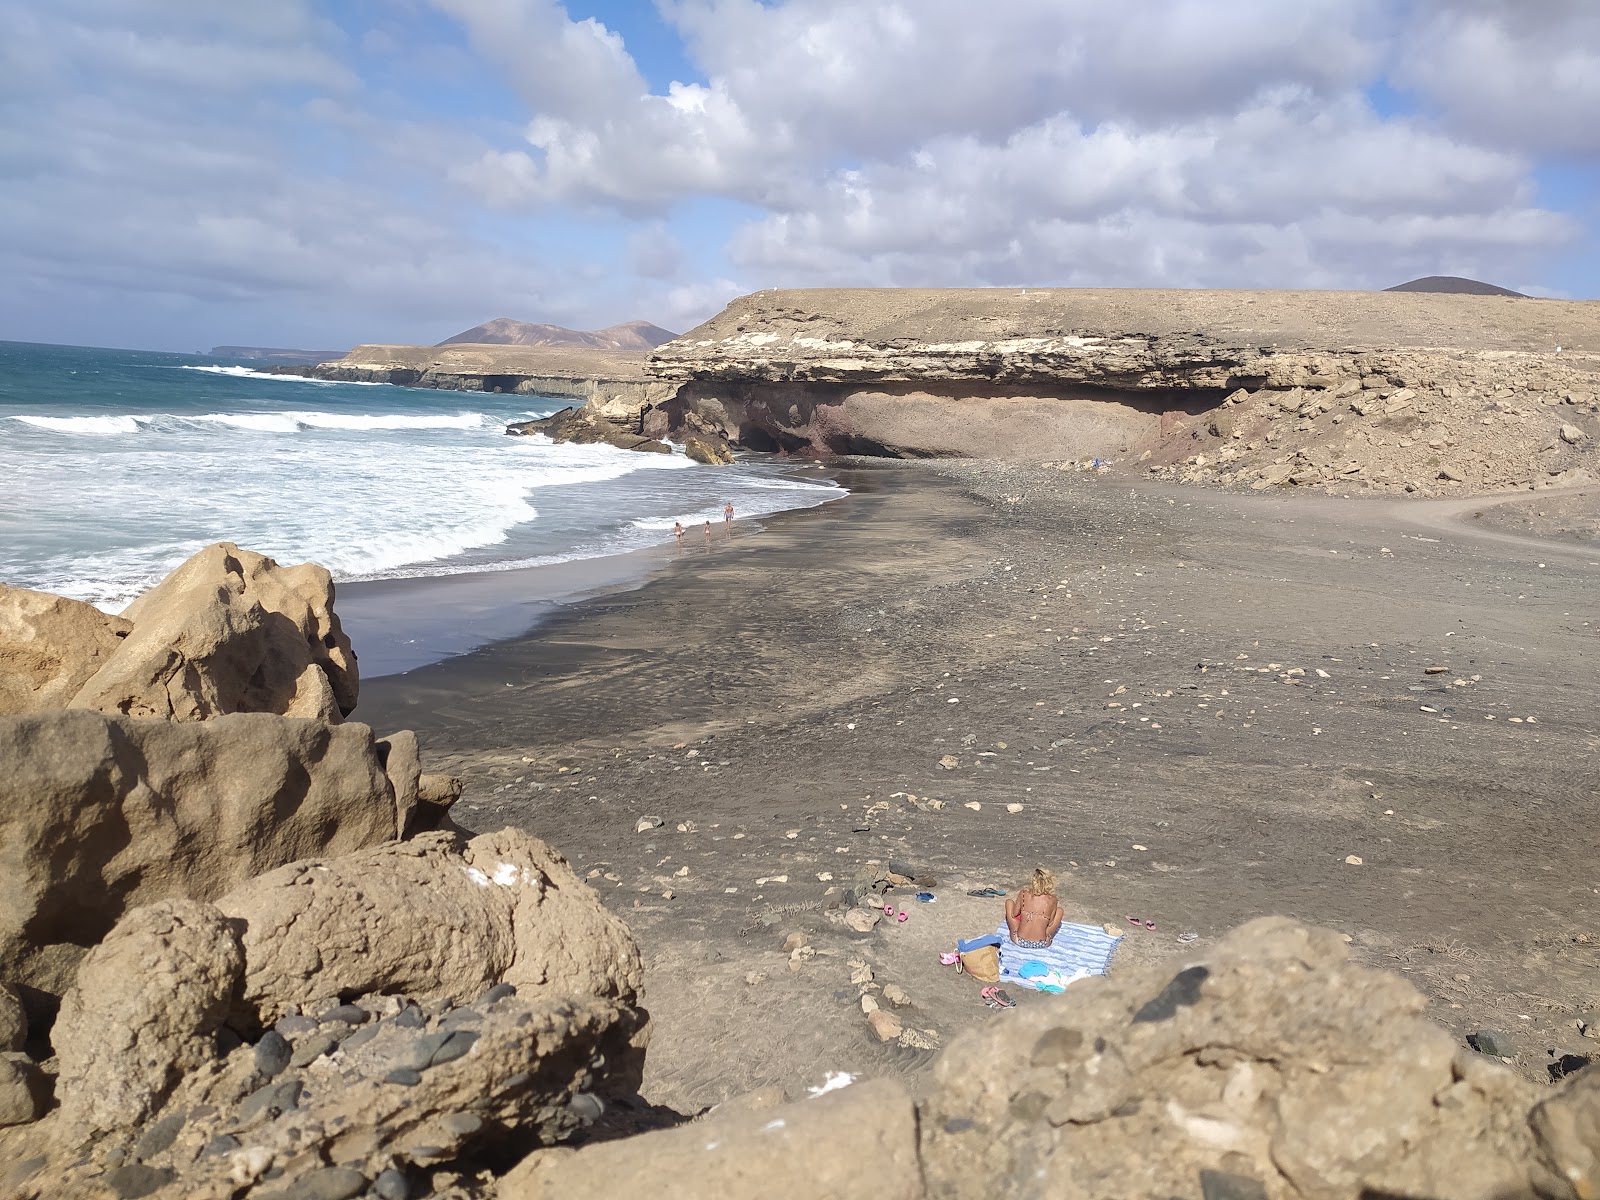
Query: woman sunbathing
(1034, 914)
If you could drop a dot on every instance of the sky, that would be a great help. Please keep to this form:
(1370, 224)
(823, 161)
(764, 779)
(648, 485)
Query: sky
(176, 174)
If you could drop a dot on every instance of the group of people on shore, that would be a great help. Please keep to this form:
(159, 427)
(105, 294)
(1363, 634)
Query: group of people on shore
(727, 523)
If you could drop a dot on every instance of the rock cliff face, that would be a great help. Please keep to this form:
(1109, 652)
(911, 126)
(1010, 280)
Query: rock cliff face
(615, 380)
(1140, 376)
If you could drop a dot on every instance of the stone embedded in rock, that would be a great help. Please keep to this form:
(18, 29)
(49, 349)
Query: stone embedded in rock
(230, 631)
(49, 648)
(1571, 435)
(145, 1009)
(503, 906)
(99, 814)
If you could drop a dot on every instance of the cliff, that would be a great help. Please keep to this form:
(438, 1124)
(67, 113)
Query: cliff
(504, 331)
(1386, 390)
(616, 381)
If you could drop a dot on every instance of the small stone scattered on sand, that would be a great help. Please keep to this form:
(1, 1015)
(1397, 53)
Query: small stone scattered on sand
(1353, 860)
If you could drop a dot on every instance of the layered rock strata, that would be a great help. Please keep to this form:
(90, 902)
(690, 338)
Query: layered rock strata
(1140, 376)
(616, 381)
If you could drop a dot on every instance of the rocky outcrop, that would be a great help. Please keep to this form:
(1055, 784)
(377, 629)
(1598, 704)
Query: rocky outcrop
(230, 631)
(586, 426)
(614, 381)
(1270, 1067)
(13, 1020)
(49, 648)
(500, 908)
(99, 814)
(855, 1144)
(143, 1013)
(1131, 377)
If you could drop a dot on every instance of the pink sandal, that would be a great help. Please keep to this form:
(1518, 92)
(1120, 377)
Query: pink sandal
(949, 959)
(902, 915)
(888, 910)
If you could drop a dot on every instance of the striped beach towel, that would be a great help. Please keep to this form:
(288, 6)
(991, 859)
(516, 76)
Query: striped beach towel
(1076, 951)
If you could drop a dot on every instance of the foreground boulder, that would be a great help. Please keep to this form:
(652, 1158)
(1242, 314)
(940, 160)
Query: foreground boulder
(98, 814)
(433, 918)
(50, 647)
(230, 631)
(1268, 1067)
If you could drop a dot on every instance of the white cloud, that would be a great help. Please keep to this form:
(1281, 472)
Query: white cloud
(1517, 73)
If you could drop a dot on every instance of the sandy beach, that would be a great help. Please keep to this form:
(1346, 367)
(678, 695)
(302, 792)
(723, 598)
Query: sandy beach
(1367, 714)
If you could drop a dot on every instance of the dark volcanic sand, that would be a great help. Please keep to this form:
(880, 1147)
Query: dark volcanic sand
(1117, 660)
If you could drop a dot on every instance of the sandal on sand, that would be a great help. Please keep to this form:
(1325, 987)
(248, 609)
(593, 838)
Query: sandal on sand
(1149, 924)
(1135, 921)
(902, 915)
(997, 996)
(888, 910)
(986, 892)
(950, 959)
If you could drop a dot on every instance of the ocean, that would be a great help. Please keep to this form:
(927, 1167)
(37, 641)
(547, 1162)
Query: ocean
(116, 465)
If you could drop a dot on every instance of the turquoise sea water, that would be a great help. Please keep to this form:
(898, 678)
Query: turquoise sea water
(115, 465)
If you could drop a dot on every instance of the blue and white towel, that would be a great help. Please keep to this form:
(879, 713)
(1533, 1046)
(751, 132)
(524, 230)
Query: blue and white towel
(1076, 951)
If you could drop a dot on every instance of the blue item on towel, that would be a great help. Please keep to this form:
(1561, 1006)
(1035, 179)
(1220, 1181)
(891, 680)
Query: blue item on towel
(988, 939)
(1075, 948)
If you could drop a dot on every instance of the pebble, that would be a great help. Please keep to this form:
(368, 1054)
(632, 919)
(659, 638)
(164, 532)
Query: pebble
(1013, 807)
(862, 919)
(391, 1185)
(404, 1076)
(348, 1014)
(973, 805)
(885, 1024)
(325, 1183)
(360, 1037)
(869, 1004)
(949, 762)
(223, 1144)
(896, 996)
(499, 991)
(159, 1136)
(294, 1026)
(1353, 860)
(313, 1048)
(1495, 1045)
(647, 823)
(272, 1099)
(444, 1046)
(461, 1124)
(409, 1017)
(137, 1180)
(272, 1054)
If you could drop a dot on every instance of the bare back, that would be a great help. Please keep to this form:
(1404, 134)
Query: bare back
(1032, 917)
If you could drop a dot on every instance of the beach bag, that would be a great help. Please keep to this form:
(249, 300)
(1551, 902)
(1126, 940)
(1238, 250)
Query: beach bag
(982, 964)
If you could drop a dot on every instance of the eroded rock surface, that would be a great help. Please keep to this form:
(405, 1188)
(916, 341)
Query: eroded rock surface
(99, 814)
(856, 1144)
(144, 1012)
(589, 425)
(434, 918)
(230, 631)
(1271, 1064)
(49, 648)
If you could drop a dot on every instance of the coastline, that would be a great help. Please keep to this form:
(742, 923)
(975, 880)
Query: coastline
(1202, 702)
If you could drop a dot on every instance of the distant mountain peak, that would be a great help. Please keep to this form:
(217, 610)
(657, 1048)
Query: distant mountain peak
(1455, 285)
(504, 331)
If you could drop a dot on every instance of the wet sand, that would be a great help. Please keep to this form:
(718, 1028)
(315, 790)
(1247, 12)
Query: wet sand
(1204, 703)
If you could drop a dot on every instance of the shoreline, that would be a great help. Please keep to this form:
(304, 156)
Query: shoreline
(1202, 702)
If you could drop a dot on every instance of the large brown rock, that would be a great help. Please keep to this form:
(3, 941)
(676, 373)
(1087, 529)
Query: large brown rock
(855, 1144)
(49, 648)
(230, 631)
(144, 1012)
(586, 425)
(1271, 1064)
(434, 918)
(99, 814)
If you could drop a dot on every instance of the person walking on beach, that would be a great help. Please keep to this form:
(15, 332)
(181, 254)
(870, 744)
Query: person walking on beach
(708, 535)
(677, 532)
(727, 517)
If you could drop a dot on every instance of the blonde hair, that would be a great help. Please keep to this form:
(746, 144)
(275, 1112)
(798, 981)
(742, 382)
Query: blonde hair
(1043, 882)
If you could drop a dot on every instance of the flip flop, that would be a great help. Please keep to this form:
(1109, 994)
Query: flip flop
(888, 910)
(987, 892)
(1135, 921)
(950, 959)
(1149, 924)
(996, 997)
(902, 915)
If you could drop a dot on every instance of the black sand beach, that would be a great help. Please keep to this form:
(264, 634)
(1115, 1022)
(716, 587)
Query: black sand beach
(1204, 703)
